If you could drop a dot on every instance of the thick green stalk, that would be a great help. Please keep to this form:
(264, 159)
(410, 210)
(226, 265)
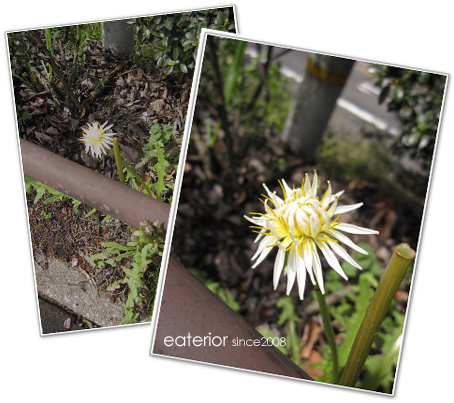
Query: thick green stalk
(329, 332)
(378, 308)
(118, 161)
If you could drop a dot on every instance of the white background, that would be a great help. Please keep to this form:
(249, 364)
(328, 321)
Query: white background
(115, 363)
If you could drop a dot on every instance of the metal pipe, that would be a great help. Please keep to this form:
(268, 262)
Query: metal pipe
(194, 324)
(90, 187)
(187, 306)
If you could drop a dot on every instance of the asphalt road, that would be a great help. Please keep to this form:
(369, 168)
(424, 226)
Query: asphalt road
(358, 103)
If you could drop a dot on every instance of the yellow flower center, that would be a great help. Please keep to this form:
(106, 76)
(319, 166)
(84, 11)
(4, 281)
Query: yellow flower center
(299, 219)
(94, 135)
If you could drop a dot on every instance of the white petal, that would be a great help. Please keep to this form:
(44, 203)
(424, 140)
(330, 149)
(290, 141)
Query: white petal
(307, 255)
(337, 195)
(307, 184)
(346, 209)
(292, 267)
(314, 183)
(277, 201)
(333, 207)
(354, 229)
(263, 249)
(302, 222)
(331, 258)
(278, 266)
(346, 240)
(327, 197)
(317, 266)
(343, 254)
(319, 276)
(301, 278)
(257, 221)
(326, 219)
(315, 224)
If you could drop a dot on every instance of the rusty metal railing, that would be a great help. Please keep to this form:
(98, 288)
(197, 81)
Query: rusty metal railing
(90, 187)
(187, 306)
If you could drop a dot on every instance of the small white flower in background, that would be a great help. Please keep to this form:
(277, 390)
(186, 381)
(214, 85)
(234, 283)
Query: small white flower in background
(67, 323)
(300, 225)
(96, 138)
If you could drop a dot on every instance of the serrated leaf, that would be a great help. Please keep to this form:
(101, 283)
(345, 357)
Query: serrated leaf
(288, 314)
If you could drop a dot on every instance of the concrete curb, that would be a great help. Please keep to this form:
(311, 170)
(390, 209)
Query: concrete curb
(66, 286)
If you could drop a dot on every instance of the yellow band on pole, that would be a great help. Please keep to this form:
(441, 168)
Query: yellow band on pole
(323, 74)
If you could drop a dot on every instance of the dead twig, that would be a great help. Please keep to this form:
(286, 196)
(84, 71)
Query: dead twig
(222, 110)
(46, 85)
(106, 80)
(263, 70)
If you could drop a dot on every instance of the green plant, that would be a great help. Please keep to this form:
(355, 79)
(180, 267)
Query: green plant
(55, 195)
(160, 162)
(50, 47)
(145, 252)
(159, 134)
(262, 93)
(250, 94)
(356, 159)
(47, 216)
(215, 287)
(22, 116)
(416, 97)
(75, 39)
(42, 189)
(23, 56)
(380, 368)
(172, 39)
(288, 320)
(378, 373)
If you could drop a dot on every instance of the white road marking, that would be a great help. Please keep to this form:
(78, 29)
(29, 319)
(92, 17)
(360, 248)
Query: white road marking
(364, 87)
(367, 116)
(368, 87)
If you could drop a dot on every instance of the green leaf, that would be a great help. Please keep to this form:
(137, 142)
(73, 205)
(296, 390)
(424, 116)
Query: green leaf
(288, 313)
(183, 68)
(91, 212)
(175, 54)
(168, 23)
(383, 94)
(169, 70)
(159, 168)
(352, 321)
(234, 73)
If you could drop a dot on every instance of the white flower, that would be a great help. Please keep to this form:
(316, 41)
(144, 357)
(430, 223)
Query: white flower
(96, 138)
(300, 225)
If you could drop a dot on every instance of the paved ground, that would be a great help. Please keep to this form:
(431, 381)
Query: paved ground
(72, 296)
(358, 104)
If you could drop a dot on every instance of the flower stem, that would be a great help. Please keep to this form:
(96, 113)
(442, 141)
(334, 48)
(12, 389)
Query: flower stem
(118, 160)
(329, 332)
(378, 308)
(137, 177)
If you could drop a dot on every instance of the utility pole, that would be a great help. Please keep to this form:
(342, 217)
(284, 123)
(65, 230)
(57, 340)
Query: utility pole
(322, 84)
(118, 36)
